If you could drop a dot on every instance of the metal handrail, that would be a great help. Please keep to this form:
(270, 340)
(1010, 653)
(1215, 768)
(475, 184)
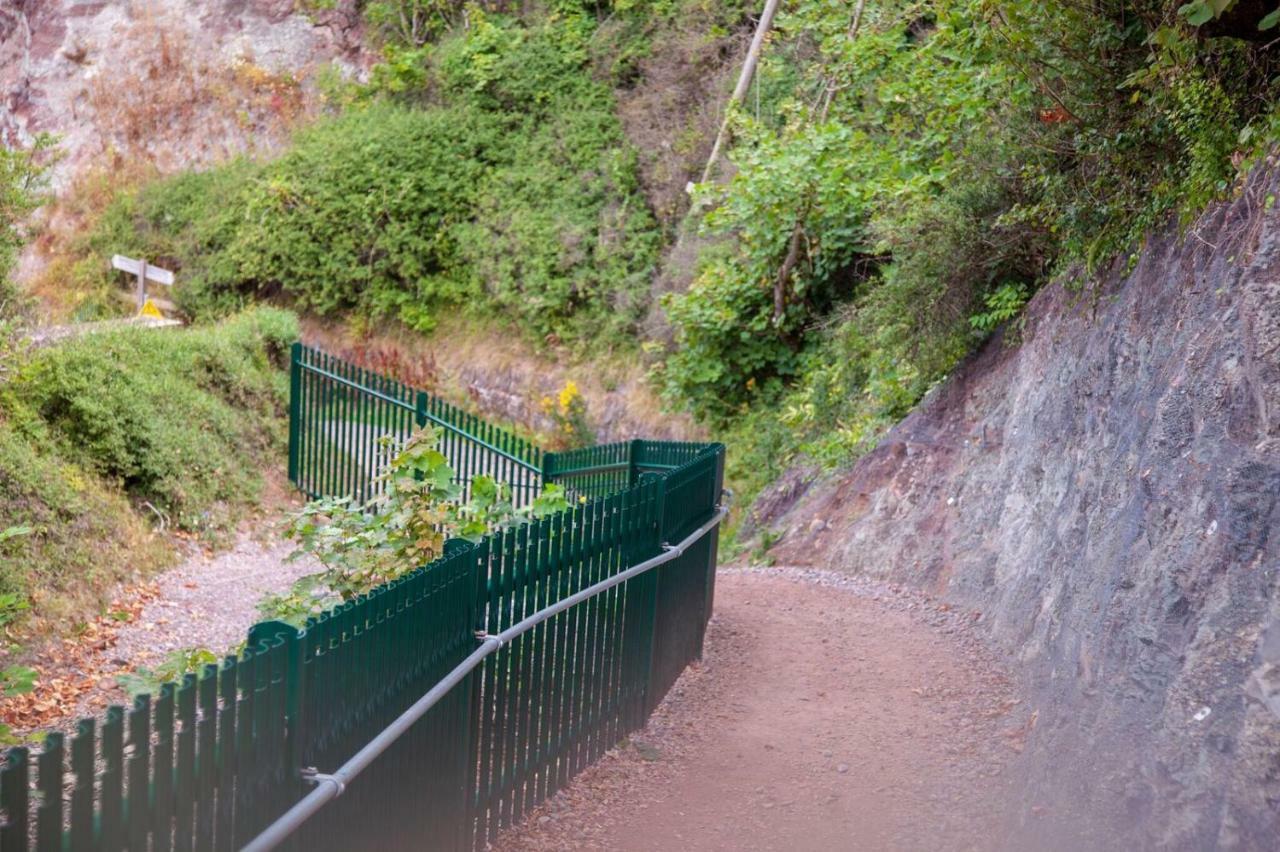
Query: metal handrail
(330, 786)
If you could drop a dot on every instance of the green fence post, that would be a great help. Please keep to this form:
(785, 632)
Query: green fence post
(713, 557)
(655, 585)
(295, 408)
(261, 635)
(420, 409)
(546, 470)
(633, 462)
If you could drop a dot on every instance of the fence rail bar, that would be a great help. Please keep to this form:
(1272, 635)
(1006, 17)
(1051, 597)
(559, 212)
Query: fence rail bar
(330, 786)
(585, 619)
(452, 427)
(364, 389)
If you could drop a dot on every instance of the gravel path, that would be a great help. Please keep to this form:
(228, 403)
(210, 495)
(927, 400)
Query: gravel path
(210, 601)
(828, 713)
(207, 601)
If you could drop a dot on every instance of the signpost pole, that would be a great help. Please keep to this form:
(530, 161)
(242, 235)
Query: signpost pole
(144, 272)
(142, 284)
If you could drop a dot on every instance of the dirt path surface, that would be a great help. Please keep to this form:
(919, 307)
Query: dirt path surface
(206, 601)
(829, 713)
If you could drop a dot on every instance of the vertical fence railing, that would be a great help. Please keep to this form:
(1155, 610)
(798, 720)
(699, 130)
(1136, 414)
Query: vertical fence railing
(339, 414)
(208, 763)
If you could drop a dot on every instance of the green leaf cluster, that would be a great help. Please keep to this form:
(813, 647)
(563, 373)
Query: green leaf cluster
(489, 173)
(172, 669)
(22, 182)
(418, 507)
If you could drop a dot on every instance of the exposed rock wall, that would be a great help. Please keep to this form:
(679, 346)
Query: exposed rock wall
(1105, 497)
(174, 82)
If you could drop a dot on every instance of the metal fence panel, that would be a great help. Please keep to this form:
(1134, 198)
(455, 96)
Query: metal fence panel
(210, 762)
(339, 415)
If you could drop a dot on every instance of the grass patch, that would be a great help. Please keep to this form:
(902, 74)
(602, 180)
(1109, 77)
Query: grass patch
(184, 421)
(105, 438)
(84, 536)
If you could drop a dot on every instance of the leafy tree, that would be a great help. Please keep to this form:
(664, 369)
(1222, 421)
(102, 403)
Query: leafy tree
(22, 174)
(937, 168)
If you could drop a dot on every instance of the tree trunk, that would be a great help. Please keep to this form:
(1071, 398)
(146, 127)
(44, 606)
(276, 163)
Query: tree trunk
(797, 233)
(744, 82)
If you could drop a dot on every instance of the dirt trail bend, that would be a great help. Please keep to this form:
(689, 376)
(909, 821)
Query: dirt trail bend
(828, 714)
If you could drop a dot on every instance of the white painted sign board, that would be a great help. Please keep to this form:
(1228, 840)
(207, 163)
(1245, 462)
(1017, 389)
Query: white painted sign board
(141, 267)
(145, 272)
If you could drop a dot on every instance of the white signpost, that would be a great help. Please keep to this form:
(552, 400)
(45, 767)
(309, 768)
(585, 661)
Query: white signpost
(145, 272)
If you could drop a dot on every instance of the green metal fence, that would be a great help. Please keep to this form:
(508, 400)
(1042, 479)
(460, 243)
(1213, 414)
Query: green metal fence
(209, 762)
(339, 412)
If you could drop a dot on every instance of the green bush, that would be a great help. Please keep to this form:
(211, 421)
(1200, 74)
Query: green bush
(182, 420)
(499, 180)
(360, 213)
(184, 222)
(971, 150)
(82, 536)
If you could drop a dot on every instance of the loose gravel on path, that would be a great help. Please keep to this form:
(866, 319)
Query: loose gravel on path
(829, 713)
(207, 601)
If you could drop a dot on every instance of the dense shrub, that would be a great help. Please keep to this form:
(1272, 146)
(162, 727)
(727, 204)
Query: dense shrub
(79, 535)
(186, 221)
(962, 148)
(360, 213)
(182, 420)
(495, 178)
(956, 154)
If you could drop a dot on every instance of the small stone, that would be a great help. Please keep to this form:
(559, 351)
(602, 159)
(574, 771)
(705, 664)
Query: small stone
(842, 768)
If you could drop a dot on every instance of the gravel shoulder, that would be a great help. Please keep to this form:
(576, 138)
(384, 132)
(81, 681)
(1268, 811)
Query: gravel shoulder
(208, 600)
(829, 712)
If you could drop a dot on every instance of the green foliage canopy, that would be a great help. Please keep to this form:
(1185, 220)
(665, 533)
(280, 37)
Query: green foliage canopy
(937, 168)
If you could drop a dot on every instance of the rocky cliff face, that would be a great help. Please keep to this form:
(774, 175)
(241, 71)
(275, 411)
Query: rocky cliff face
(1104, 495)
(172, 83)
